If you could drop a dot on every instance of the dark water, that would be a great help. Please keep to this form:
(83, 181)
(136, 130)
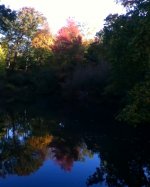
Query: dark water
(43, 145)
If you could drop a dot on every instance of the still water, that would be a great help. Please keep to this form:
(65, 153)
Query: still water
(41, 145)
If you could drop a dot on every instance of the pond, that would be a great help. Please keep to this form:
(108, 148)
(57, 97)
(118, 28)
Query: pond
(43, 145)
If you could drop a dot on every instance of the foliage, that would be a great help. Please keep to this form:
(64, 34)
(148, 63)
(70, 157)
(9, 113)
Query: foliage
(67, 46)
(114, 65)
(87, 80)
(42, 43)
(44, 80)
(138, 109)
(43, 39)
(7, 16)
(19, 37)
(2, 61)
(124, 40)
(125, 48)
(95, 53)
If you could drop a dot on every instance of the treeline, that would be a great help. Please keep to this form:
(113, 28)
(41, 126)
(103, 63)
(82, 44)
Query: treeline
(113, 68)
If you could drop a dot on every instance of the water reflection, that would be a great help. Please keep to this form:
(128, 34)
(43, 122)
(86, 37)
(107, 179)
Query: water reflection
(99, 155)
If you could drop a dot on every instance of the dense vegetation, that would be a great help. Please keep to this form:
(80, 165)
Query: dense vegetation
(114, 68)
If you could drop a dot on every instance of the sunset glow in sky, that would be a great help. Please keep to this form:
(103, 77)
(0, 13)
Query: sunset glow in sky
(90, 12)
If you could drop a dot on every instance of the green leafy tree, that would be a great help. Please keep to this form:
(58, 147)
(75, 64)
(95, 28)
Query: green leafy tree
(138, 108)
(20, 35)
(7, 16)
(124, 40)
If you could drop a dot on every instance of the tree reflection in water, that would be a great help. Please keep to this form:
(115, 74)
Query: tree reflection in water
(27, 139)
(24, 146)
(64, 153)
(125, 160)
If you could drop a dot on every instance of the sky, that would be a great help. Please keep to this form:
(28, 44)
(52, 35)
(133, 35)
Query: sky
(91, 13)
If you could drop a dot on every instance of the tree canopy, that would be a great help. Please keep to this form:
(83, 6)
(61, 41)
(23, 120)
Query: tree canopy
(7, 16)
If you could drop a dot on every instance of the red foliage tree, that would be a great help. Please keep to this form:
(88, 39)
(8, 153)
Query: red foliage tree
(68, 43)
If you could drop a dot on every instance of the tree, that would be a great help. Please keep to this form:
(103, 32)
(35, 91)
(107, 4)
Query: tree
(20, 35)
(2, 60)
(42, 43)
(124, 40)
(43, 39)
(7, 16)
(137, 109)
(68, 44)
